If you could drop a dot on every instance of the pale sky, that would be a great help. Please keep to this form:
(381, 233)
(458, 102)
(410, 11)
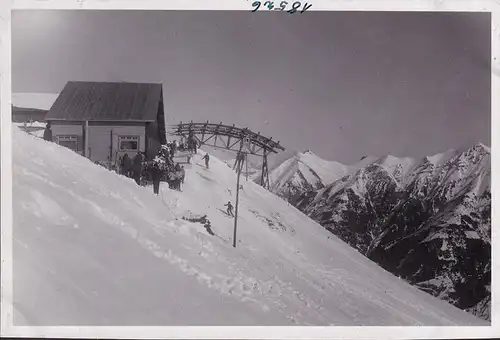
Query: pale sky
(343, 84)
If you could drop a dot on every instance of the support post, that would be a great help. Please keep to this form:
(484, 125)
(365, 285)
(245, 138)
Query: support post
(236, 206)
(237, 198)
(86, 144)
(246, 165)
(110, 149)
(264, 177)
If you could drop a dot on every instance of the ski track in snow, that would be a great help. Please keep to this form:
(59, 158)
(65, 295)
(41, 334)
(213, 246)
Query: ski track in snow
(294, 274)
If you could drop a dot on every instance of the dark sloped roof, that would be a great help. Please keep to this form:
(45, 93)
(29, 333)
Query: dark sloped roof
(105, 101)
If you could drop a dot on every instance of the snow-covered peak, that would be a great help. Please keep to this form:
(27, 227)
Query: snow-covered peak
(311, 159)
(305, 170)
(442, 157)
(397, 166)
(481, 147)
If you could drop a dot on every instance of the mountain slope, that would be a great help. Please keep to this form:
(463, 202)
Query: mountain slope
(427, 220)
(303, 172)
(112, 253)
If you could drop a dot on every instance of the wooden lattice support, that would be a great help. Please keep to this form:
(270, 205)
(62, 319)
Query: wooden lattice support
(231, 138)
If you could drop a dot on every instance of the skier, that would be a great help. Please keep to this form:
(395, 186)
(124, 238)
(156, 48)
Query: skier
(156, 174)
(126, 165)
(137, 168)
(208, 227)
(207, 159)
(47, 134)
(229, 208)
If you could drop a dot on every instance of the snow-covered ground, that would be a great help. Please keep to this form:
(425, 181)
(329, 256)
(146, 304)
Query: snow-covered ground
(34, 128)
(93, 248)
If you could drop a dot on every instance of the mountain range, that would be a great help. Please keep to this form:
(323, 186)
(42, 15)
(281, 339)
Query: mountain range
(427, 220)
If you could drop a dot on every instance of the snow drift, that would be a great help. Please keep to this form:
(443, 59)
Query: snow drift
(93, 248)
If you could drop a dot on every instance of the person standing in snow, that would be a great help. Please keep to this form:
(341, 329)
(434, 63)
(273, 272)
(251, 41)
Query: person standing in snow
(172, 150)
(174, 146)
(229, 208)
(207, 159)
(47, 134)
(171, 178)
(177, 177)
(126, 165)
(156, 174)
(137, 168)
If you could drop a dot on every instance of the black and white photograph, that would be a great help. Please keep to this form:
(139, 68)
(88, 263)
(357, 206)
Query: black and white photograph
(273, 166)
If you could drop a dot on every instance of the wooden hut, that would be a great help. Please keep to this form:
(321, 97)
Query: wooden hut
(104, 120)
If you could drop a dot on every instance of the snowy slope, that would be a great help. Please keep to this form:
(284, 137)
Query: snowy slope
(93, 248)
(34, 128)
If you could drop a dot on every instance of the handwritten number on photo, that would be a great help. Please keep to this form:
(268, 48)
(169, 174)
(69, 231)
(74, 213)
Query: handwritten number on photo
(256, 4)
(269, 4)
(306, 7)
(295, 6)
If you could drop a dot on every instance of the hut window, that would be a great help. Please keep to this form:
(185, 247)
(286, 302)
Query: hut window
(128, 143)
(71, 142)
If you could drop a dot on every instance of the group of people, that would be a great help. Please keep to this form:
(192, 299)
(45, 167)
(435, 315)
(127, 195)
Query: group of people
(189, 144)
(132, 167)
(176, 177)
(161, 168)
